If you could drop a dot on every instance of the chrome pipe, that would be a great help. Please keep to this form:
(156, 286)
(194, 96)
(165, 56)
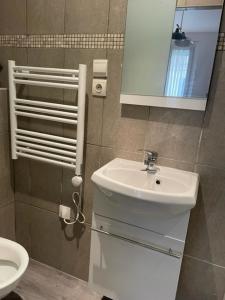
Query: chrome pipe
(151, 246)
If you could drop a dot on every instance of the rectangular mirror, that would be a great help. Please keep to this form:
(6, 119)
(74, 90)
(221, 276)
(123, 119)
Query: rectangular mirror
(169, 52)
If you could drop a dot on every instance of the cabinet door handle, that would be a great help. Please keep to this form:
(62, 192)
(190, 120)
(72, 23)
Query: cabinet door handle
(153, 247)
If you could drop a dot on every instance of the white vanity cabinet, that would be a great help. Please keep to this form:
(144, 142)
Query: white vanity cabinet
(139, 230)
(125, 270)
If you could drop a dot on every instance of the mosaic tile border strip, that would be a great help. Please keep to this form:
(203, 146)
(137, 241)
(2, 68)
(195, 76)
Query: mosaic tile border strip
(221, 42)
(77, 41)
(80, 41)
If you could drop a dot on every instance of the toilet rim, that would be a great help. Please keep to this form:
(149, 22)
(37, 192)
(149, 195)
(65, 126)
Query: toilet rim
(20, 250)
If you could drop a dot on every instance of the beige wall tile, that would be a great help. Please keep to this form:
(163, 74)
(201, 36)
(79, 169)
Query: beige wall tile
(171, 163)
(52, 58)
(17, 54)
(92, 163)
(108, 154)
(124, 127)
(7, 221)
(76, 250)
(50, 241)
(4, 111)
(13, 17)
(5, 156)
(45, 231)
(90, 16)
(212, 142)
(205, 238)
(22, 175)
(74, 57)
(200, 281)
(23, 220)
(6, 190)
(46, 182)
(117, 16)
(174, 133)
(39, 232)
(45, 16)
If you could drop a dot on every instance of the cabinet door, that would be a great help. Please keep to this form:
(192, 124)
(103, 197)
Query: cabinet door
(124, 271)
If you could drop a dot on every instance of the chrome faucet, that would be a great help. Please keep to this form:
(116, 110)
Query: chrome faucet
(150, 160)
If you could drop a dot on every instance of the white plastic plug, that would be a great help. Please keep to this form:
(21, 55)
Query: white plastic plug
(64, 212)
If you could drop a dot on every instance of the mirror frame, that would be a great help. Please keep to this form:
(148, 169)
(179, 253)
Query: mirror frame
(169, 102)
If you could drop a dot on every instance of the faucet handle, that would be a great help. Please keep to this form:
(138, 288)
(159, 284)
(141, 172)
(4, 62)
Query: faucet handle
(151, 155)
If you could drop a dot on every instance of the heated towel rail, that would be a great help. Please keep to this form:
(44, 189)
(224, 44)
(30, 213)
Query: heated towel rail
(61, 151)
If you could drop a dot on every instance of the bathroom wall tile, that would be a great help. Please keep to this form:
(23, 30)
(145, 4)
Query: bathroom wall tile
(37, 202)
(174, 133)
(200, 281)
(94, 119)
(4, 111)
(46, 242)
(212, 143)
(123, 126)
(50, 241)
(74, 57)
(205, 238)
(117, 16)
(90, 16)
(92, 163)
(46, 182)
(4, 155)
(17, 54)
(67, 188)
(23, 220)
(13, 17)
(76, 250)
(171, 163)
(39, 231)
(52, 58)
(22, 175)
(7, 221)
(45, 16)
(6, 190)
(108, 154)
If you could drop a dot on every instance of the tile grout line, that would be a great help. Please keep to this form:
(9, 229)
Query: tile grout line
(43, 209)
(7, 204)
(204, 261)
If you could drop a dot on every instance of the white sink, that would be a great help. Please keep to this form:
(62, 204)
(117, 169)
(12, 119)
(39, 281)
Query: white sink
(169, 187)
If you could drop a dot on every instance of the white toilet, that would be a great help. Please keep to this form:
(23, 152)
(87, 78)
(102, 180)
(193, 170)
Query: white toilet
(13, 263)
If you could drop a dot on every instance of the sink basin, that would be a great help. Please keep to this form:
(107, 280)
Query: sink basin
(168, 187)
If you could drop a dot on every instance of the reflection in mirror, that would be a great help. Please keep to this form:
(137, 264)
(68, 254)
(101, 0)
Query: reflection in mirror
(170, 50)
(192, 52)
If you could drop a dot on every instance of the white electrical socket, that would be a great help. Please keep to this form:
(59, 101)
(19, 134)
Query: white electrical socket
(64, 212)
(99, 87)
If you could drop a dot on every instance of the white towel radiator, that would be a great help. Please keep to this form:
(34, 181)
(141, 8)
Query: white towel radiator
(57, 150)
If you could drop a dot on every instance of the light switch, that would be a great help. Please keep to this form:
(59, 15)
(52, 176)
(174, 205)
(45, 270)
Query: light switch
(99, 87)
(100, 68)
